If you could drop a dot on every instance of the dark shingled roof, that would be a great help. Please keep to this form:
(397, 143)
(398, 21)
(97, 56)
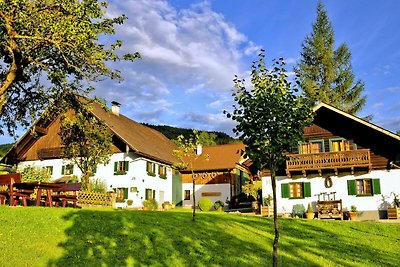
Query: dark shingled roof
(142, 140)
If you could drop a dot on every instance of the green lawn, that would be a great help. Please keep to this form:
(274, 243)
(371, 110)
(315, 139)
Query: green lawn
(93, 237)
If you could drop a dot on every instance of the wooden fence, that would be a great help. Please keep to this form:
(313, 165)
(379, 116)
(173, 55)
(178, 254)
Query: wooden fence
(91, 198)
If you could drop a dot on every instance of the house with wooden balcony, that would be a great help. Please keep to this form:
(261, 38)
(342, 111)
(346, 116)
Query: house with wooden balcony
(345, 159)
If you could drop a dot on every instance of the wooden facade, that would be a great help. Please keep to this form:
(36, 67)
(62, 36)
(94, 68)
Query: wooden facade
(335, 144)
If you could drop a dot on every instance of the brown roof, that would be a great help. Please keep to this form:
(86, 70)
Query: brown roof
(141, 139)
(220, 157)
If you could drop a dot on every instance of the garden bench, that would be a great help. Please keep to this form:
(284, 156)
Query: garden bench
(66, 192)
(8, 190)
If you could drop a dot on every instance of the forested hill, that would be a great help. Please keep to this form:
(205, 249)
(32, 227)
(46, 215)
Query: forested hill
(173, 132)
(4, 149)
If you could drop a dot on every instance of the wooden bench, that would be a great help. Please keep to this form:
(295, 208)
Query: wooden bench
(7, 190)
(66, 192)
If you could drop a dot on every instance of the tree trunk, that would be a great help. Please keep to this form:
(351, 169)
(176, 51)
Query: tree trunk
(86, 176)
(194, 197)
(276, 238)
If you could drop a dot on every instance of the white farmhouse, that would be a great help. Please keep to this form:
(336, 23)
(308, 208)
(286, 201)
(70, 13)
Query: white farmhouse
(140, 167)
(344, 161)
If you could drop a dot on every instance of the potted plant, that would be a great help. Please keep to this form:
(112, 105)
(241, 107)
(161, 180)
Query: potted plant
(353, 213)
(394, 212)
(310, 212)
(267, 208)
(129, 202)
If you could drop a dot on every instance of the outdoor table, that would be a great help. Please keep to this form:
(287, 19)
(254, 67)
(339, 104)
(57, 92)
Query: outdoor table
(40, 186)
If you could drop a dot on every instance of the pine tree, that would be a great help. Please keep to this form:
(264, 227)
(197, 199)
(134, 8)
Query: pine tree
(326, 74)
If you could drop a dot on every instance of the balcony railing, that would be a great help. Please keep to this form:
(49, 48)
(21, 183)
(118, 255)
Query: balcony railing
(50, 153)
(328, 160)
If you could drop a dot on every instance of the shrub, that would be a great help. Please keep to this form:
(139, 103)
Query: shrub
(98, 186)
(205, 204)
(219, 205)
(129, 202)
(35, 174)
(166, 205)
(150, 204)
(353, 208)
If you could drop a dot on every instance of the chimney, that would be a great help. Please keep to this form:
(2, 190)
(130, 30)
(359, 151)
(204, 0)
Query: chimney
(199, 150)
(115, 107)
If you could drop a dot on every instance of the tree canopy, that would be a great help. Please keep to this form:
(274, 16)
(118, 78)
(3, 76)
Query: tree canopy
(87, 141)
(270, 120)
(326, 73)
(47, 47)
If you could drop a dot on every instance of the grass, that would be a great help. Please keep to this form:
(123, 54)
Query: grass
(97, 237)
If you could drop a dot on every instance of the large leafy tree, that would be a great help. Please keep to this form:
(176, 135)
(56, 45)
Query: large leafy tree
(270, 120)
(86, 140)
(326, 73)
(47, 47)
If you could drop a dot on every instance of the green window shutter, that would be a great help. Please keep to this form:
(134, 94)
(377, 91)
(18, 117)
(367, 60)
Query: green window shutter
(154, 168)
(351, 187)
(154, 194)
(95, 169)
(376, 186)
(126, 165)
(51, 170)
(115, 166)
(285, 190)
(125, 193)
(307, 189)
(147, 166)
(71, 167)
(63, 169)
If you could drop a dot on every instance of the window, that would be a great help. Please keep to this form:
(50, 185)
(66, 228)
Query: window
(49, 169)
(296, 190)
(340, 144)
(151, 168)
(187, 195)
(312, 146)
(363, 187)
(121, 167)
(67, 169)
(162, 171)
(150, 193)
(121, 194)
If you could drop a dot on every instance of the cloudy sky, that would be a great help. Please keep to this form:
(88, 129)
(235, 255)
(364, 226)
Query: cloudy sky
(191, 51)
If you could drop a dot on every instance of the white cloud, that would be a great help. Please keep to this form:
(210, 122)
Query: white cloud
(197, 42)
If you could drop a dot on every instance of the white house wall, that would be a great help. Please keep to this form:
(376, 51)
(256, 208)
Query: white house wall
(389, 182)
(136, 176)
(223, 189)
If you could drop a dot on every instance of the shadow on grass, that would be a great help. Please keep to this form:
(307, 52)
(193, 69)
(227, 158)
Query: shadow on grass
(136, 238)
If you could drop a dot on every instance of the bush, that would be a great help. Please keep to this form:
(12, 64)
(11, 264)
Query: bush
(219, 205)
(35, 174)
(205, 204)
(166, 205)
(150, 204)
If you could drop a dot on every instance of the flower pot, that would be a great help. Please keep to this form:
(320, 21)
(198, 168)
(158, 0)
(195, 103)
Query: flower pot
(353, 216)
(310, 215)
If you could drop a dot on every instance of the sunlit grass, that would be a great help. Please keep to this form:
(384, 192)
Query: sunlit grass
(106, 237)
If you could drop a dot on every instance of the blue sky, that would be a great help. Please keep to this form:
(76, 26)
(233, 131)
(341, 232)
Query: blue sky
(192, 49)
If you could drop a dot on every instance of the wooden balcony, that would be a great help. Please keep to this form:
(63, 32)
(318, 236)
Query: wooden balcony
(328, 161)
(50, 153)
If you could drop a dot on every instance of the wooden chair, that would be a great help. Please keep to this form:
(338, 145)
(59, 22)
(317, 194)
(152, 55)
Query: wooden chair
(66, 193)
